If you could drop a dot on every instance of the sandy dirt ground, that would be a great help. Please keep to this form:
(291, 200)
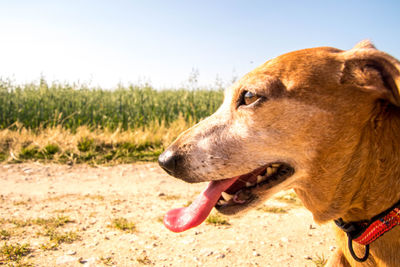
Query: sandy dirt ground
(93, 197)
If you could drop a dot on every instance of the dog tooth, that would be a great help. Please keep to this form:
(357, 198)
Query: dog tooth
(222, 202)
(260, 178)
(248, 184)
(226, 196)
(275, 165)
(270, 171)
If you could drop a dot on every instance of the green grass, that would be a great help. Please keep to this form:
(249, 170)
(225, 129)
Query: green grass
(13, 252)
(19, 223)
(56, 238)
(49, 246)
(217, 220)
(53, 222)
(46, 222)
(61, 237)
(36, 105)
(67, 123)
(124, 225)
(4, 234)
(49, 228)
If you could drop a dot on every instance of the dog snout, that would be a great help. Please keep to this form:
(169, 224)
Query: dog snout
(170, 161)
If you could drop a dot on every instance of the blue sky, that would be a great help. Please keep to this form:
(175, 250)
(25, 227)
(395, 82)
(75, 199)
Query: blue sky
(160, 41)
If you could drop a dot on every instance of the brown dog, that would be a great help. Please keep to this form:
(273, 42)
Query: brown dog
(322, 121)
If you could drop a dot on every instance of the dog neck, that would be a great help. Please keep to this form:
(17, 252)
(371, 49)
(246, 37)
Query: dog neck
(380, 147)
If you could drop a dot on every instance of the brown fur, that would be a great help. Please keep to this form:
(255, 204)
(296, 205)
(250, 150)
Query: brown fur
(334, 116)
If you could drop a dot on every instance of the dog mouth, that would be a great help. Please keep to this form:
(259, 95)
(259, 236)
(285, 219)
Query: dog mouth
(245, 189)
(228, 196)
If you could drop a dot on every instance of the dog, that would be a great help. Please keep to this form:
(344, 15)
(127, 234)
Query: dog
(322, 121)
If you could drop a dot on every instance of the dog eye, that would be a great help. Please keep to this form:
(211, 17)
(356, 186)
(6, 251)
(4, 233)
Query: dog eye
(249, 98)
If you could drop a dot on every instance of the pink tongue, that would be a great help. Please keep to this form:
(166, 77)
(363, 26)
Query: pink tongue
(182, 219)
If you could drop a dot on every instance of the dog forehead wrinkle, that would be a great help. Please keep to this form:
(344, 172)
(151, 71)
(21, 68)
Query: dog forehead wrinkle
(304, 66)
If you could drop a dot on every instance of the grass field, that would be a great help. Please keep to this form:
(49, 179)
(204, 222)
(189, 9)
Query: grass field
(74, 123)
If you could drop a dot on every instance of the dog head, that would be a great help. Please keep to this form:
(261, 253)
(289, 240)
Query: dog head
(296, 121)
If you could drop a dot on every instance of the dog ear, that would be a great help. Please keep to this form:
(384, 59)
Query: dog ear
(373, 71)
(364, 44)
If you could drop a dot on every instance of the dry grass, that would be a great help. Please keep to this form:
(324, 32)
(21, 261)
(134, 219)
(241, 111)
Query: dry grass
(20, 202)
(273, 209)
(319, 261)
(143, 260)
(108, 261)
(97, 146)
(169, 197)
(290, 198)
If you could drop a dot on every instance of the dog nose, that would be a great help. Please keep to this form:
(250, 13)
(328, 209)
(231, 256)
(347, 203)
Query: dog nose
(168, 160)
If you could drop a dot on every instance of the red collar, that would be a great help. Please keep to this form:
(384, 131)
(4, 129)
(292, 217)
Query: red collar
(366, 232)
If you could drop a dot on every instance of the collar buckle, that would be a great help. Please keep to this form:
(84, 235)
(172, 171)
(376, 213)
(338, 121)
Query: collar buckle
(352, 230)
(365, 232)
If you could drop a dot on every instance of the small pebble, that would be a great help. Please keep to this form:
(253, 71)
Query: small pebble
(64, 260)
(188, 241)
(27, 170)
(220, 256)
(90, 262)
(206, 252)
(70, 252)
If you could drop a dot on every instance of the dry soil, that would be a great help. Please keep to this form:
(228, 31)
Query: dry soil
(92, 197)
